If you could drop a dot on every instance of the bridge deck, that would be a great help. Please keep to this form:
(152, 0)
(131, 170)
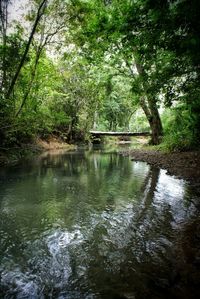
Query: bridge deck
(101, 133)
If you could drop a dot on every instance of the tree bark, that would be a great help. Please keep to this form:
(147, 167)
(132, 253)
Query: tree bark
(153, 117)
(3, 29)
(150, 109)
(155, 123)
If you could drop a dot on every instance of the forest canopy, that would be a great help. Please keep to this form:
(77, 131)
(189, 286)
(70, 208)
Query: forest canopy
(67, 67)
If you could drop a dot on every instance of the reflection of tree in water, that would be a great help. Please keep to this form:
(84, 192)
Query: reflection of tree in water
(127, 253)
(125, 247)
(187, 263)
(65, 190)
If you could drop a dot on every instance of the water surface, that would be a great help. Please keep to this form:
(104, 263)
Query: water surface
(93, 224)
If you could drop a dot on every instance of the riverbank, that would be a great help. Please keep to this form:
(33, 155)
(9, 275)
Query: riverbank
(14, 154)
(184, 165)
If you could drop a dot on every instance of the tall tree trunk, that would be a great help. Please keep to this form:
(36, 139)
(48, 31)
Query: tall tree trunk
(148, 105)
(155, 123)
(150, 109)
(3, 30)
(95, 120)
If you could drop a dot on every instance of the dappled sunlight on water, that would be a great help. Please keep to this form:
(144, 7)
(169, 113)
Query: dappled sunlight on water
(91, 224)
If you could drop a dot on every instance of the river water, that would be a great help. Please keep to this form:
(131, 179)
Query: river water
(94, 224)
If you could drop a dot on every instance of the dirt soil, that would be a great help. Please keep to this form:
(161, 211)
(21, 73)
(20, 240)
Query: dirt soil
(184, 165)
(52, 143)
(14, 154)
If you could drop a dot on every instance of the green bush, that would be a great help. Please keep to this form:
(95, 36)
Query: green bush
(180, 129)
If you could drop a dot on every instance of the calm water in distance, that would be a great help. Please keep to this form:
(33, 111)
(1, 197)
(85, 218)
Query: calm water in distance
(92, 224)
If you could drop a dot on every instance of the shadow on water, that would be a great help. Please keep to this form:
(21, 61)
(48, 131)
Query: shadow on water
(93, 224)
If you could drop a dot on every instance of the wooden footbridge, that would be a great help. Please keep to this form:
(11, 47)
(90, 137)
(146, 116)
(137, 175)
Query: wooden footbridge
(101, 133)
(96, 135)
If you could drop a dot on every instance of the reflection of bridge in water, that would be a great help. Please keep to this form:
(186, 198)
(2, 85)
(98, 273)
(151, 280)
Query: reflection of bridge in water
(96, 135)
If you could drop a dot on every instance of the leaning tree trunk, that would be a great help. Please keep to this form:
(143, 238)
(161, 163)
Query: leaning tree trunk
(151, 111)
(155, 123)
(150, 108)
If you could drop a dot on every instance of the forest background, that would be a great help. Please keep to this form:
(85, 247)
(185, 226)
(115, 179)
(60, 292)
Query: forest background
(69, 66)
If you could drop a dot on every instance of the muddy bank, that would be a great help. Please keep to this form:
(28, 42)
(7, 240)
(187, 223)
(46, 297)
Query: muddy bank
(52, 143)
(184, 165)
(13, 154)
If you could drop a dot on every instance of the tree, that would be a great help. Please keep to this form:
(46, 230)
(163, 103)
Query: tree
(92, 63)
(21, 56)
(158, 39)
(39, 14)
(106, 26)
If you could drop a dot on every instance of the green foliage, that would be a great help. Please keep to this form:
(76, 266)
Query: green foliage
(138, 122)
(180, 125)
(92, 64)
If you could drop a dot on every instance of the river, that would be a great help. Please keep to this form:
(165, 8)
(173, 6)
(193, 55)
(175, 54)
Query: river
(93, 224)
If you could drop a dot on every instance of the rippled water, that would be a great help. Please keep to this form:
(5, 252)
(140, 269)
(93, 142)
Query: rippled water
(93, 224)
